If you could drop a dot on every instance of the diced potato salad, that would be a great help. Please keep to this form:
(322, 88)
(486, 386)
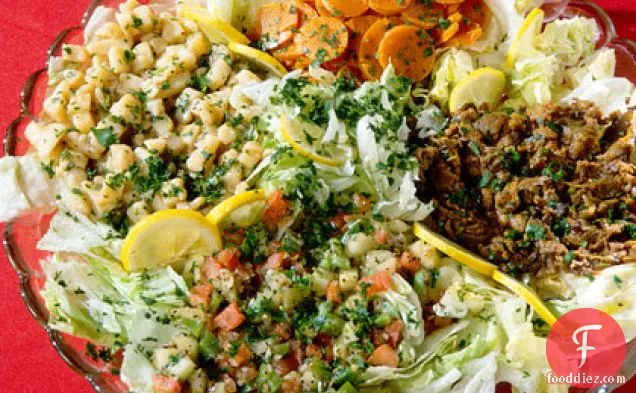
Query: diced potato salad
(275, 184)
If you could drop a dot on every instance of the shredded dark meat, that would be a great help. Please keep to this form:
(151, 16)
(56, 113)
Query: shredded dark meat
(550, 188)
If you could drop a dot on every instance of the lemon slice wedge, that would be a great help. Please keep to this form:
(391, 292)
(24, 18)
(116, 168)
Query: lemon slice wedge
(482, 86)
(215, 29)
(305, 139)
(523, 42)
(454, 250)
(225, 208)
(527, 294)
(169, 238)
(259, 57)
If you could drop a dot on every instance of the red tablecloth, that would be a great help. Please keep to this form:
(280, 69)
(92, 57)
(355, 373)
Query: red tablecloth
(28, 363)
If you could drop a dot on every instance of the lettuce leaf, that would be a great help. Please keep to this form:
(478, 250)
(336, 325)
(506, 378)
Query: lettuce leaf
(452, 67)
(599, 65)
(569, 39)
(610, 94)
(25, 187)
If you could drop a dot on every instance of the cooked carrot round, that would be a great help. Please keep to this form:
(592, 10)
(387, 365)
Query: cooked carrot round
(306, 11)
(466, 38)
(346, 8)
(411, 51)
(449, 33)
(322, 39)
(389, 7)
(474, 12)
(287, 52)
(424, 16)
(275, 24)
(322, 9)
(369, 44)
(448, 1)
(358, 26)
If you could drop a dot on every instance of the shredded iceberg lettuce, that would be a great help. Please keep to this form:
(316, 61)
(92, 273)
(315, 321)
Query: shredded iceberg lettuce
(25, 187)
(452, 67)
(599, 65)
(610, 94)
(568, 39)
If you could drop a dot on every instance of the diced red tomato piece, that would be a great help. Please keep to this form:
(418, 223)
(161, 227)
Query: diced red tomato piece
(384, 355)
(275, 209)
(274, 262)
(242, 356)
(393, 333)
(229, 258)
(212, 268)
(201, 294)
(333, 292)
(378, 282)
(163, 384)
(362, 203)
(409, 262)
(230, 318)
(381, 236)
(286, 365)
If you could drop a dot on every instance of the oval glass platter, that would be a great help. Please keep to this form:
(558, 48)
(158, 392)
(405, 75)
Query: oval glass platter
(21, 236)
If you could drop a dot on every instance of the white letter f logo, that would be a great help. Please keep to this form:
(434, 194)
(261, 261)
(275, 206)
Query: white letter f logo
(584, 347)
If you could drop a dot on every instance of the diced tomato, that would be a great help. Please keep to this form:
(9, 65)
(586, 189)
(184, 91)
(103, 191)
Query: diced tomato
(393, 333)
(212, 268)
(384, 355)
(338, 221)
(378, 282)
(242, 356)
(313, 350)
(362, 203)
(333, 292)
(286, 365)
(163, 384)
(230, 318)
(274, 262)
(234, 237)
(229, 258)
(409, 262)
(297, 351)
(292, 385)
(282, 331)
(381, 236)
(276, 209)
(201, 294)
(376, 337)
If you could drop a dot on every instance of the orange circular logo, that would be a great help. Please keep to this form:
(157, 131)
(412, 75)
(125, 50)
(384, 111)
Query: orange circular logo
(585, 348)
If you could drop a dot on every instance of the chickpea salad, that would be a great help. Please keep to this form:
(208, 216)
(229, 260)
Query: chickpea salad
(225, 219)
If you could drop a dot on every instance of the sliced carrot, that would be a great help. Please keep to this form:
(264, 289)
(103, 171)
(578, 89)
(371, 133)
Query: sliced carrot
(448, 1)
(276, 21)
(424, 16)
(409, 262)
(307, 12)
(333, 292)
(466, 37)
(384, 355)
(390, 7)
(230, 318)
(321, 8)
(321, 40)
(378, 282)
(286, 53)
(346, 8)
(274, 262)
(393, 332)
(411, 51)
(369, 44)
(449, 33)
(475, 12)
(358, 26)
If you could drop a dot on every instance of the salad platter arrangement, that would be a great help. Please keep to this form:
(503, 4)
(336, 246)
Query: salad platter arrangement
(324, 196)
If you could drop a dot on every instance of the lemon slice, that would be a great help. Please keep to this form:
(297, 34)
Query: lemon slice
(455, 251)
(259, 57)
(223, 209)
(523, 42)
(527, 294)
(305, 139)
(214, 28)
(169, 237)
(482, 86)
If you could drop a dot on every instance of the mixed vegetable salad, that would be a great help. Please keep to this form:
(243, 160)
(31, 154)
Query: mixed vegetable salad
(225, 222)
